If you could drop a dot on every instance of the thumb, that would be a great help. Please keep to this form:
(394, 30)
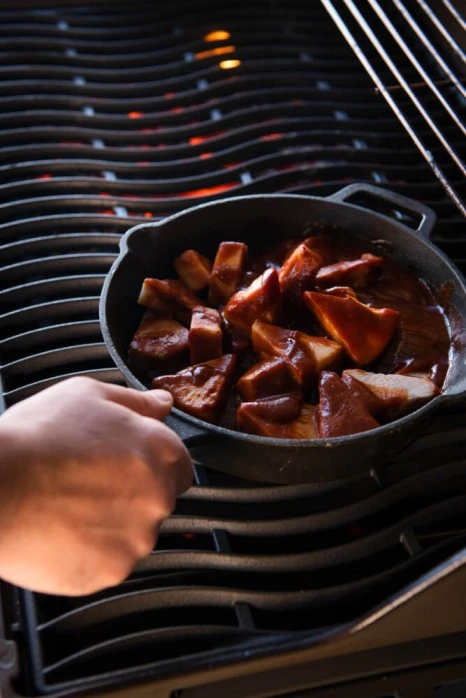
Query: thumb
(148, 403)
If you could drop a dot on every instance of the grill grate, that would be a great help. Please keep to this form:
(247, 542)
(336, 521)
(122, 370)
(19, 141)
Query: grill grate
(411, 51)
(116, 114)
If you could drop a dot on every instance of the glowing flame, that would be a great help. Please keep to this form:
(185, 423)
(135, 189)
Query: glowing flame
(271, 136)
(229, 63)
(207, 191)
(218, 35)
(135, 114)
(195, 140)
(147, 214)
(219, 51)
(204, 156)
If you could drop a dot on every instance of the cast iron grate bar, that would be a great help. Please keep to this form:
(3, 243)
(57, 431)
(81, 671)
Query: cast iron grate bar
(409, 79)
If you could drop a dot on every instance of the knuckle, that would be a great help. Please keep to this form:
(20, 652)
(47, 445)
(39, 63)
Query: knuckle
(118, 570)
(165, 504)
(144, 544)
(80, 382)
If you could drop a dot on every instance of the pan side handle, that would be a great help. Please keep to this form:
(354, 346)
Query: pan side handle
(421, 218)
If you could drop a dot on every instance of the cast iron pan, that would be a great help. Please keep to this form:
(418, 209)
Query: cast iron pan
(148, 250)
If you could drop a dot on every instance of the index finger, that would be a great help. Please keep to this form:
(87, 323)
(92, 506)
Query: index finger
(148, 403)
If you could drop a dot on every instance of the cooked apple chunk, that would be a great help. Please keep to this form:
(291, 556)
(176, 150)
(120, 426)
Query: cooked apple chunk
(201, 390)
(170, 297)
(322, 246)
(205, 335)
(340, 412)
(259, 301)
(270, 340)
(397, 393)
(279, 418)
(355, 272)
(267, 378)
(227, 271)
(374, 404)
(326, 352)
(341, 291)
(298, 272)
(193, 269)
(364, 332)
(157, 341)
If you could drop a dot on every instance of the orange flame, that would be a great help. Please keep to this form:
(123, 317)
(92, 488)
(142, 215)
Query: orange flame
(207, 191)
(229, 63)
(219, 51)
(217, 35)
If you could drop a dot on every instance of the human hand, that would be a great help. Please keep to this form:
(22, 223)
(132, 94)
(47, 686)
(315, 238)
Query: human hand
(88, 473)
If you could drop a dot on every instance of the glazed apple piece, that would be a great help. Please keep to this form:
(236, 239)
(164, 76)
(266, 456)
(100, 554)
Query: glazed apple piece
(397, 393)
(227, 271)
(170, 297)
(259, 301)
(201, 390)
(327, 353)
(158, 340)
(355, 273)
(270, 340)
(193, 269)
(205, 335)
(322, 246)
(339, 412)
(341, 291)
(279, 418)
(264, 379)
(364, 332)
(374, 404)
(298, 272)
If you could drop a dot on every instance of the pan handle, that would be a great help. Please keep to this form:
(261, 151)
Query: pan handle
(188, 433)
(422, 217)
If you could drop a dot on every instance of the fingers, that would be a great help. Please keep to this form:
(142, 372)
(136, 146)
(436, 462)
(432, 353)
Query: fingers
(149, 403)
(166, 447)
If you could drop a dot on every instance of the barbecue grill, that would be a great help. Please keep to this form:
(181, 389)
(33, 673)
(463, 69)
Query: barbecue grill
(114, 114)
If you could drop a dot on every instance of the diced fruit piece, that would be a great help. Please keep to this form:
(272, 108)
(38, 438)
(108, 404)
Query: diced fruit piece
(263, 418)
(397, 393)
(322, 246)
(374, 405)
(341, 291)
(158, 341)
(270, 340)
(364, 332)
(279, 408)
(227, 271)
(355, 272)
(201, 390)
(205, 335)
(193, 269)
(170, 297)
(269, 377)
(326, 352)
(298, 272)
(259, 301)
(339, 412)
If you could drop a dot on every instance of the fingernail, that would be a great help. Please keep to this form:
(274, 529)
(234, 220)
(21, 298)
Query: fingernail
(162, 396)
